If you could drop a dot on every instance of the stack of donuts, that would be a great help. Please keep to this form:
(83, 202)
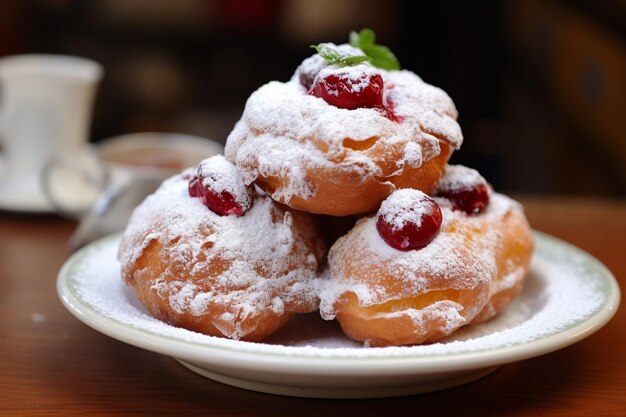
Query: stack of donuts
(334, 195)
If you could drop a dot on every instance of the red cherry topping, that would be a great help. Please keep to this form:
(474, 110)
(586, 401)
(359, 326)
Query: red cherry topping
(219, 184)
(390, 113)
(465, 188)
(309, 68)
(349, 87)
(196, 189)
(408, 219)
(389, 107)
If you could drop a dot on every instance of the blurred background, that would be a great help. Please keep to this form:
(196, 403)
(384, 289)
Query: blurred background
(540, 85)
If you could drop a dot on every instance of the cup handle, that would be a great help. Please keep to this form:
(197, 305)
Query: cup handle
(89, 227)
(73, 181)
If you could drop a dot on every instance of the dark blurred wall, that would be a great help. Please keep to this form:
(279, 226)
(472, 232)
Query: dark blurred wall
(540, 85)
(566, 95)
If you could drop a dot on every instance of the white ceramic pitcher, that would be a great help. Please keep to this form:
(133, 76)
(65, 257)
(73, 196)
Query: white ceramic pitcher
(46, 103)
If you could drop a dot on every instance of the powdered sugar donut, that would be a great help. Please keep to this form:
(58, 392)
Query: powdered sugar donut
(240, 274)
(470, 267)
(468, 191)
(342, 144)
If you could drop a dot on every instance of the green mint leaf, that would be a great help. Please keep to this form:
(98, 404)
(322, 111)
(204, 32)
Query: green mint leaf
(354, 39)
(334, 55)
(351, 60)
(363, 39)
(380, 55)
(367, 37)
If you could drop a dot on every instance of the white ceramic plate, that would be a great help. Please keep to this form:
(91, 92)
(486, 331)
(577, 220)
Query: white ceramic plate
(568, 296)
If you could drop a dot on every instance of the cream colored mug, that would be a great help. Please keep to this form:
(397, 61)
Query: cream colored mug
(45, 107)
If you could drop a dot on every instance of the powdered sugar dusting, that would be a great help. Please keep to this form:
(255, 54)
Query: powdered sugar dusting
(265, 265)
(344, 50)
(357, 77)
(285, 132)
(309, 68)
(507, 281)
(449, 256)
(406, 206)
(564, 288)
(412, 155)
(459, 177)
(222, 176)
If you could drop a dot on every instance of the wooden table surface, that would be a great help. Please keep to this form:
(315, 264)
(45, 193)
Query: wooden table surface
(53, 365)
